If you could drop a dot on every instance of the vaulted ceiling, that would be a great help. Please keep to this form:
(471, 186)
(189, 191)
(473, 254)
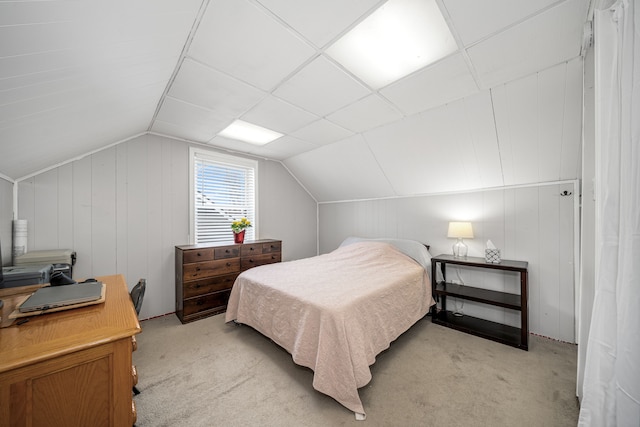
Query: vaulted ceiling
(503, 109)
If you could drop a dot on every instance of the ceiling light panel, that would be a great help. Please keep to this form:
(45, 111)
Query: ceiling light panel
(248, 132)
(399, 38)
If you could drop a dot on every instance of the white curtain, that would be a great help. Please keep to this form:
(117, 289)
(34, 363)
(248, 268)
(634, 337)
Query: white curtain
(611, 391)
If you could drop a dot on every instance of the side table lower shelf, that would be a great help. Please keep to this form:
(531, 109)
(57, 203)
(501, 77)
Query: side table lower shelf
(483, 328)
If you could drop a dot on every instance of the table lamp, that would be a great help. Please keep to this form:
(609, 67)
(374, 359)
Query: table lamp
(460, 230)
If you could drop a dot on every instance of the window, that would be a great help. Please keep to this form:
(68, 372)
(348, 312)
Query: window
(222, 190)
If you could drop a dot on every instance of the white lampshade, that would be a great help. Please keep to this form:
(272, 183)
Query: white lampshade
(460, 230)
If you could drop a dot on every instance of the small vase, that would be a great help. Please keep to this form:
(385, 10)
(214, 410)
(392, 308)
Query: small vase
(238, 237)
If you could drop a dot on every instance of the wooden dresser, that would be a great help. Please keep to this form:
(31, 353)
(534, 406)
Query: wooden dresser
(70, 368)
(206, 273)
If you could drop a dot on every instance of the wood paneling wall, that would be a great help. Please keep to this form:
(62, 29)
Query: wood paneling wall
(123, 209)
(534, 224)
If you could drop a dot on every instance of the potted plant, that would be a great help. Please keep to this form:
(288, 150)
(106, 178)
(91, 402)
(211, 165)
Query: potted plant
(239, 227)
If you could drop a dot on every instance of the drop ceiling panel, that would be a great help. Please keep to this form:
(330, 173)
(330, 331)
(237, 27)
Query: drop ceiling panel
(517, 127)
(365, 114)
(545, 40)
(501, 114)
(428, 152)
(200, 85)
(278, 115)
(283, 148)
(322, 132)
(551, 90)
(475, 20)
(178, 131)
(197, 123)
(242, 40)
(443, 82)
(232, 144)
(319, 21)
(537, 133)
(482, 149)
(321, 88)
(342, 171)
(570, 166)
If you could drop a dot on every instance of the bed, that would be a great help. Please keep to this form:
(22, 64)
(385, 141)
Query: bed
(334, 313)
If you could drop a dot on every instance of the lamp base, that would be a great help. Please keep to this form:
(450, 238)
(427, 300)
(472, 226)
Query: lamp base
(460, 249)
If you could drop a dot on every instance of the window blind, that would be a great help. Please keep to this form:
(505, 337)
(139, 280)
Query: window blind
(224, 191)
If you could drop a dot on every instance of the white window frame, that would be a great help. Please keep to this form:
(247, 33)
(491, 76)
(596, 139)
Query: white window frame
(216, 157)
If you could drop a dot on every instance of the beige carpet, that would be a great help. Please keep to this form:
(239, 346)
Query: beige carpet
(209, 373)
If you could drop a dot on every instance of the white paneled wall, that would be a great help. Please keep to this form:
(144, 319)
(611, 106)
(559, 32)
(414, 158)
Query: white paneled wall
(534, 224)
(124, 209)
(6, 213)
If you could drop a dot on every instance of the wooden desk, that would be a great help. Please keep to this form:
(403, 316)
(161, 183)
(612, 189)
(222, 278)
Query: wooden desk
(71, 368)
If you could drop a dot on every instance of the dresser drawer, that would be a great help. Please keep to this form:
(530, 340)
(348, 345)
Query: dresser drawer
(254, 261)
(208, 285)
(197, 255)
(201, 270)
(227, 252)
(271, 247)
(249, 249)
(208, 302)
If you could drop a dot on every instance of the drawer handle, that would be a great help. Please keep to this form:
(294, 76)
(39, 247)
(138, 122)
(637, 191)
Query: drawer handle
(197, 268)
(198, 286)
(250, 260)
(226, 251)
(272, 246)
(200, 302)
(250, 249)
(199, 254)
(228, 264)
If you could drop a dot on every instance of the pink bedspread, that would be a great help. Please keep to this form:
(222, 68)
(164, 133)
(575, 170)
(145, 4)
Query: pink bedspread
(335, 312)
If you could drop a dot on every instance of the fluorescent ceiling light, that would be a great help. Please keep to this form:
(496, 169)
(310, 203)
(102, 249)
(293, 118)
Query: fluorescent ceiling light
(399, 38)
(248, 132)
